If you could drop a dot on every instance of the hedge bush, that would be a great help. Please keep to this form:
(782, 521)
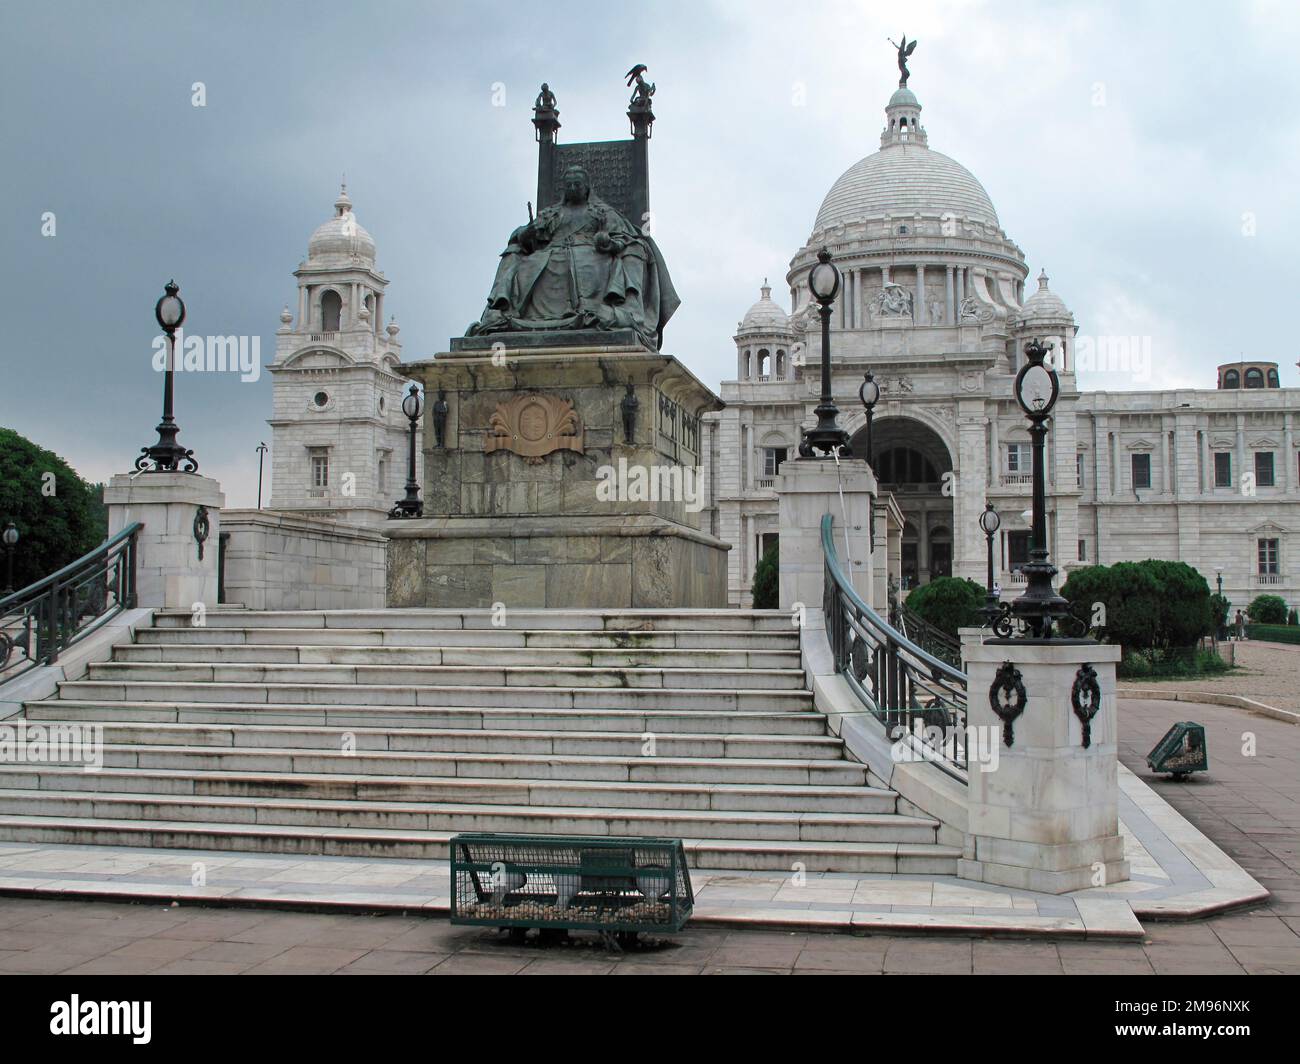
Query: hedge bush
(948, 603)
(1155, 607)
(1274, 633)
(1267, 609)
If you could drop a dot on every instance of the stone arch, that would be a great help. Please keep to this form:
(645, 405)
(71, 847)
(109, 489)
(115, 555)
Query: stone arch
(331, 310)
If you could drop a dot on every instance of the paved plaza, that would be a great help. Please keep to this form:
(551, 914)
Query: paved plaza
(1249, 804)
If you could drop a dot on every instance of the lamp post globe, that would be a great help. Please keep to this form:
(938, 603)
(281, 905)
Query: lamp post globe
(170, 309)
(827, 437)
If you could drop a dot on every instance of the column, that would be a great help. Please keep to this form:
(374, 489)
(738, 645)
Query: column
(1045, 815)
(169, 572)
(995, 444)
(1288, 453)
(918, 315)
(1241, 451)
(951, 316)
(806, 489)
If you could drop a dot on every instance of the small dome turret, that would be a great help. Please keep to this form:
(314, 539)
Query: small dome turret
(341, 240)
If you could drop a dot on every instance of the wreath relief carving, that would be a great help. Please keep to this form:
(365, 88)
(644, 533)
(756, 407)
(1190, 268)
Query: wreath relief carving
(532, 426)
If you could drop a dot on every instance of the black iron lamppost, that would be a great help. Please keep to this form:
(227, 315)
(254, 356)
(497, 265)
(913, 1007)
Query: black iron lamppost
(168, 456)
(1037, 388)
(261, 454)
(828, 437)
(869, 393)
(411, 506)
(10, 538)
(990, 522)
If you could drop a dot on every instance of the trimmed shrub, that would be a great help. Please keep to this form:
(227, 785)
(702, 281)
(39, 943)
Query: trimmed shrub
(1293, 617)
(1267, 609)
(1153, 606)
(1273, 633)
(948, 603)
(767, 592)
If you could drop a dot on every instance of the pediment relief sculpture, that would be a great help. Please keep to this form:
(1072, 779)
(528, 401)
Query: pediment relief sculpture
(533, 426)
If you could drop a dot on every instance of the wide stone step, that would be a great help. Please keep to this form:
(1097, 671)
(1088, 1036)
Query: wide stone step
(345, 694)
(454, 717)
(451, 675)
(471, 637)
(495, 765)
(883, 857)
(476, 741)
(551, 657)
(782, 798)
(452, 818)
(566, 620)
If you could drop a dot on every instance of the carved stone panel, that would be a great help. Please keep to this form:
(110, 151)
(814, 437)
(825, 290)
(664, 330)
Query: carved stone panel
(533, 426)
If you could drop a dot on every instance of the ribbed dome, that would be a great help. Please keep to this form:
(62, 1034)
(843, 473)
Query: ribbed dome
(901, 179)
(1044, 305)
(765, 316)
(342, 239)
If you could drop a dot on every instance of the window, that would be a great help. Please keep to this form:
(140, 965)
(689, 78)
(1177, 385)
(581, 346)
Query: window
(331, 309)
(1264, 469)
(383, 475)
(1222, 469)
(1078, 469)
(1268, 557)
(1141, 471)
(772, 459)
(1231, 379)
(1273, 380)
(1019, 458)
(320, 471)
(764, 364)
(1083, 550)
(1017, 549)
(1254, 378)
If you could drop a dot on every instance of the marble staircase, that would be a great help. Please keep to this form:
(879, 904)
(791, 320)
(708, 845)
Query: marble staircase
(385, 732)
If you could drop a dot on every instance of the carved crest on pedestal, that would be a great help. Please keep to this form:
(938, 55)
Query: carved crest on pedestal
(532, 426)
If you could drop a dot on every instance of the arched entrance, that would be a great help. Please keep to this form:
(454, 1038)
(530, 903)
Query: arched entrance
(910, 461)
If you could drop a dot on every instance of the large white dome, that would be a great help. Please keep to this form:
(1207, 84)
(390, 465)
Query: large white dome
(901, 179)
(341, 240)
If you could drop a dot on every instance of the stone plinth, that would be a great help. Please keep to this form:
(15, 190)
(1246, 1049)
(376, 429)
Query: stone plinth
(1043, 816)
(169, 571)
(807, 489)
(539, 496)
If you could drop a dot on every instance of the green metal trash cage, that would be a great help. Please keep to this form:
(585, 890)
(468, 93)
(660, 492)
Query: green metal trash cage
(604, 884)
(1181, 752)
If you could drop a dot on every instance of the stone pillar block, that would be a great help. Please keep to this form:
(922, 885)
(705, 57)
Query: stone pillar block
(807, 489)
(1045, 814)
(169, 571)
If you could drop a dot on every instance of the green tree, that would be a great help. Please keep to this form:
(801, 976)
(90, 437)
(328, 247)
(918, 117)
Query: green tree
(1267, 609)
(767, 593)
(1293, 617)
(948, 603)
(1152, 605)
(58, 515)
(1219, 609)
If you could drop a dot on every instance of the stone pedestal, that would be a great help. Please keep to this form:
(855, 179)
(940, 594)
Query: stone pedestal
(1044, 815)
(172, 571)
(568, 476)
(807, 489)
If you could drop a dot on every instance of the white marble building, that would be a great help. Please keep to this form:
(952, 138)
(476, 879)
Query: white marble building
(339, 437)
(934, 305)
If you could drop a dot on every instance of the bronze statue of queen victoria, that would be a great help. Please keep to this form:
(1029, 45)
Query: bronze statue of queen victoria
(580, 265)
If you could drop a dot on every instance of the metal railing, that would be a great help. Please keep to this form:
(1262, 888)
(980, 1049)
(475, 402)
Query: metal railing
(925, 635)
(918, 697)
(42, 620)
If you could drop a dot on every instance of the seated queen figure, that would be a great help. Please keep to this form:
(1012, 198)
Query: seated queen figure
(580, 265)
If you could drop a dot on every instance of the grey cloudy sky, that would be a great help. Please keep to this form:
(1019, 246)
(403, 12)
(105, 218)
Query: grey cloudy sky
(1127, 147)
